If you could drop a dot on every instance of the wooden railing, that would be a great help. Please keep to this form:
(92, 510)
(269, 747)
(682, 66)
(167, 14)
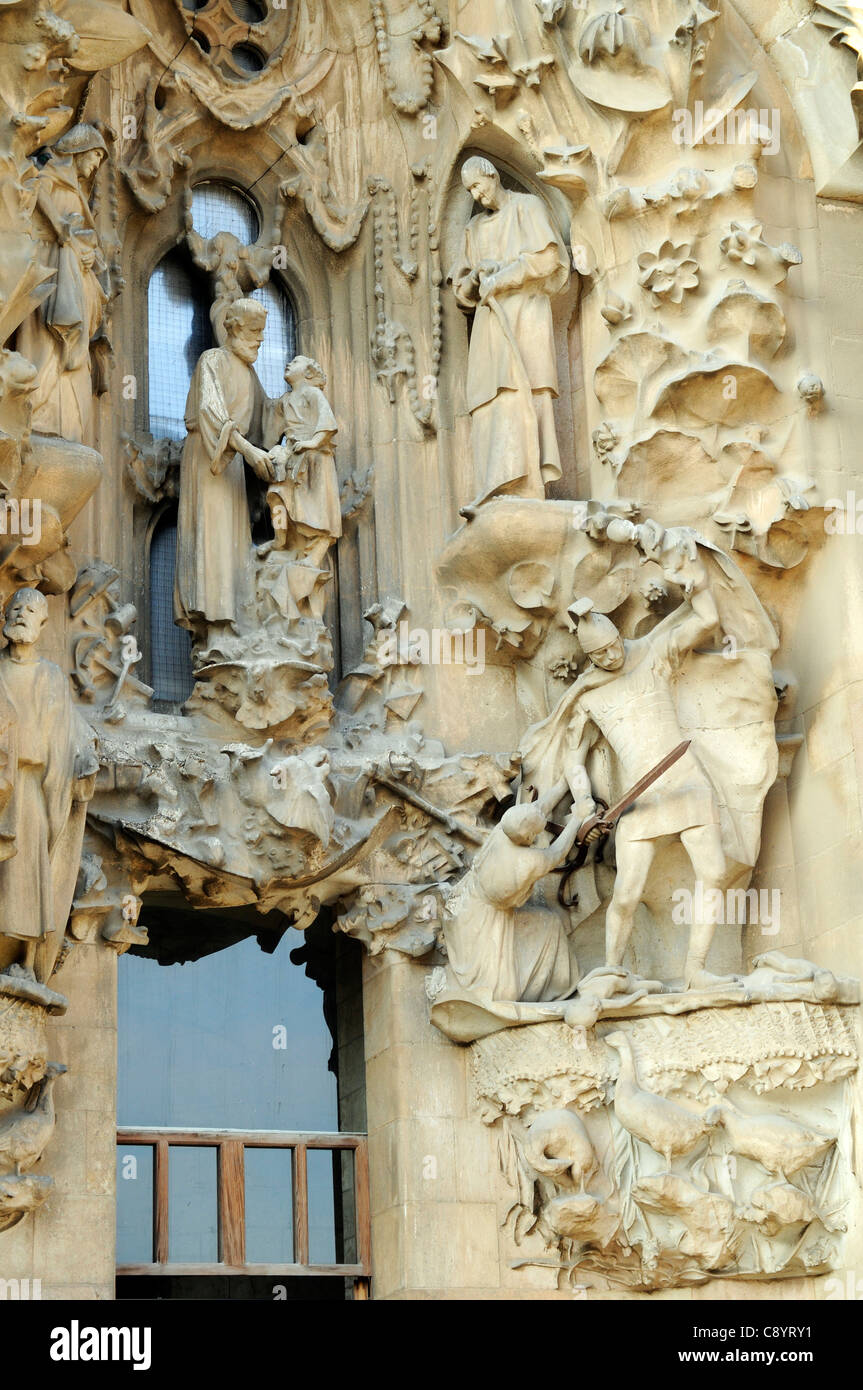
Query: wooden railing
(231, 1145)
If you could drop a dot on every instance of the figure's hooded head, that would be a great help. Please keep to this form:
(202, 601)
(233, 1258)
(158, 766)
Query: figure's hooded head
(86, 146)
(597, 635)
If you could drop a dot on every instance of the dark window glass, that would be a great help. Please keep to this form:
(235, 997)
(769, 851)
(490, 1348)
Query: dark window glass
(248, 58)
(250, 11)
(170, 646)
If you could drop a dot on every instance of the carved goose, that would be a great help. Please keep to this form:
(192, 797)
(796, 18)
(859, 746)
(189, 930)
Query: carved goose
(24, 1133)
(667, 1127)
(780, 1145)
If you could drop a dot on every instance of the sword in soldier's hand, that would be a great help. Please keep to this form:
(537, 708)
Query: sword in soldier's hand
(600, 824)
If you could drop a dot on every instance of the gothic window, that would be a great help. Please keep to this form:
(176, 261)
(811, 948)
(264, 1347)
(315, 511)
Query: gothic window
(178, 301)
(216, 207)
(239, 36)
(170, 646)
(179, 330)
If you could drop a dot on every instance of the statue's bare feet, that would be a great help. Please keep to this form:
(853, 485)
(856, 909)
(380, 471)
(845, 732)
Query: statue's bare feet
(264, 549)
(469, 511)
(695, 977)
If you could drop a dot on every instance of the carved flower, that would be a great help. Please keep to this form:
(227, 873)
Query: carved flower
(742, 243)
(745, 244)
(616, 310)
(668, 273)
(811, 389)
(604, 440)
(654, 592)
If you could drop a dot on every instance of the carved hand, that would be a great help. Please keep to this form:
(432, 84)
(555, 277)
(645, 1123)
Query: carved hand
(279, 456)
(260, 462)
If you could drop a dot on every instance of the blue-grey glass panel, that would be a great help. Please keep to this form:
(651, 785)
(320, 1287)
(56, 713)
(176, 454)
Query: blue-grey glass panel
(178, 331)
(201, 1044)
(216, 207)
(269, 1206)
(322, 1225)
(280, 338)
(134, 1204)
(248, 58)
(170, 646)
(193, 1206)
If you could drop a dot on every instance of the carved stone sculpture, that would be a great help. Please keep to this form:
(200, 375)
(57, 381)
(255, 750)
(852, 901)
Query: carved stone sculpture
(626, 696)
(223, 419)
(495, 950)
(236, 269)
(304, 501)
(511, 262)
(48, 778)
(59, 336)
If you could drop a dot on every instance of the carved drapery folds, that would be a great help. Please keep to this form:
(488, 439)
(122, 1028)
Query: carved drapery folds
(57, 280)
(541, 232)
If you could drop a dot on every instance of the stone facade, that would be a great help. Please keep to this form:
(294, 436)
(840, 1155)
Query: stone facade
(523, 618)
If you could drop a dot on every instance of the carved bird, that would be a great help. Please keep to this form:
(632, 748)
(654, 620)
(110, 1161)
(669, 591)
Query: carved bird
(565, 152)
(780, 1145)
(24, 1133)
(782, 1204)
(708, 1216)
(556, 1141)
(667, 1127)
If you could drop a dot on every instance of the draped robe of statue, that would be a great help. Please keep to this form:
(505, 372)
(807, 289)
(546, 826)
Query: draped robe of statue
(214, 529)
(512, 368)
(496, 950)
(56, 337)
(43, 803)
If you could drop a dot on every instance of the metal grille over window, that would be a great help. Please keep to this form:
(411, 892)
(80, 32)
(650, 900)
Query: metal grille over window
(170, 646)
(218, 208)
(251, 11)
(178, 302)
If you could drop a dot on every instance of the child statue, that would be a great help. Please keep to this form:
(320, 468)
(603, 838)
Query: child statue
(304, 499)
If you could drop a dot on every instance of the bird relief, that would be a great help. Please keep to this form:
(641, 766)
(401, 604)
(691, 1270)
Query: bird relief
(737, 1172)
